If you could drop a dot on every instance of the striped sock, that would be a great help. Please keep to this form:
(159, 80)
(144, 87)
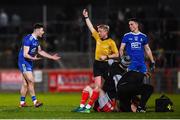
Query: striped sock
(34, 99)
(22, 100)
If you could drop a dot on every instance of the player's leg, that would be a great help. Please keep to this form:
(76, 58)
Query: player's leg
(86, 93)
(24, 86)
(105, 103)
(124, 96)
(23, 92)
(98, 69)
(30, 80)
(95, 92)
(145, 91)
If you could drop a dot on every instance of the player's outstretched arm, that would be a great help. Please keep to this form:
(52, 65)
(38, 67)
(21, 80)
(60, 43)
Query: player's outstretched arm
(47, 55)
(88, 22)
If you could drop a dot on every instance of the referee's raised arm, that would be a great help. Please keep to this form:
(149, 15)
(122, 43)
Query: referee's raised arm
(88, 22)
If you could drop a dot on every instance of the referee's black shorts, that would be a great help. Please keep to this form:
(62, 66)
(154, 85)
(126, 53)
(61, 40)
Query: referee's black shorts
(100, 68)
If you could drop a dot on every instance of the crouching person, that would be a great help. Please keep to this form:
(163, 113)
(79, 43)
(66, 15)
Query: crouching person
(130, 85)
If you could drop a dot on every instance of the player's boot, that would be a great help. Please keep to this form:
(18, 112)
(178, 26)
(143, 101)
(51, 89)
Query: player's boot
(78, 109)
(23, 105)
(86, 110)
(38, 104)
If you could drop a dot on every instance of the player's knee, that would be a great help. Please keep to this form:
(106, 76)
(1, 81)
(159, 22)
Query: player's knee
(25, 85)
(30, 84)
(88, 89)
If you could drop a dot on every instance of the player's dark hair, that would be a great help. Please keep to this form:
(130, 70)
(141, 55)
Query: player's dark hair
(37, 26)
(133, 19)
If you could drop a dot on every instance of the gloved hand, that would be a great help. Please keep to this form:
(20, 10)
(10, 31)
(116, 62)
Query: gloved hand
(152, 66)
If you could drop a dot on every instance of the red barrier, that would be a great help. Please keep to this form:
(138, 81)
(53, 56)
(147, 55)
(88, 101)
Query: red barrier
(69, 80)
(10, 80)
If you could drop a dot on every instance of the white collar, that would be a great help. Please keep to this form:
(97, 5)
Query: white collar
(135, 33)
(34, 36)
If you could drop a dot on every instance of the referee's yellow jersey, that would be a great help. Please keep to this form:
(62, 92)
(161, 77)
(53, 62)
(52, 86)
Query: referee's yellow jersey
(104, 47)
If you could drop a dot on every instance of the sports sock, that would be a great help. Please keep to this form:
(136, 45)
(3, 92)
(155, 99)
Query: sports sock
(34, 99)
(84, 97)
(113, 103)
(93, 98)
(22, 100)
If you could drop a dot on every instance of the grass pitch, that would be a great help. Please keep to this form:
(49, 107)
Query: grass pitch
(59, 106)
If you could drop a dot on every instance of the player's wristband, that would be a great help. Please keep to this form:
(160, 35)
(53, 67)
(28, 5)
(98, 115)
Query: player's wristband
(86, 17)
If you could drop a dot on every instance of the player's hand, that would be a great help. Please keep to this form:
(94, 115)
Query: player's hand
(85, 13)
(152, 66)
(56, 57)
(103, 57)
(36, 58)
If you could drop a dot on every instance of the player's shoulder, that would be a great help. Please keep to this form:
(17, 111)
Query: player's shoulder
(127, 34)
(110, 39)
(132, 34)
(140, 33)
(29, 37)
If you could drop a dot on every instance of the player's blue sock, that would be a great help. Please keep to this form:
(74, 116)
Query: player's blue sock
(22, 100)
(34, 99)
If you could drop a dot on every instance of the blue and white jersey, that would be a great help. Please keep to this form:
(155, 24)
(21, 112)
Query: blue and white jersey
(135, 46)
(32, 43)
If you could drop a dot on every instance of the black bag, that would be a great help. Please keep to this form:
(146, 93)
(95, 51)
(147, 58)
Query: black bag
(163, 104)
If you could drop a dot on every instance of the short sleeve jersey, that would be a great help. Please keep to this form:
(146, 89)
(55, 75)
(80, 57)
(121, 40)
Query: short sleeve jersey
(104, 47)
(135, 43)
(32, 43)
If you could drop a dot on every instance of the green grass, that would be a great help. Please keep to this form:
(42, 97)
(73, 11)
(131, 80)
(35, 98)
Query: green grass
(59, 105)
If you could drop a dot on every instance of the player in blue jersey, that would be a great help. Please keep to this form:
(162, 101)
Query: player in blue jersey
(136, 43)
(28, 53)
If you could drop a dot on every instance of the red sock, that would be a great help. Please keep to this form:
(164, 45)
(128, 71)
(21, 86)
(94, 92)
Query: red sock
(113, 102)
(94, 97)
(84, 97)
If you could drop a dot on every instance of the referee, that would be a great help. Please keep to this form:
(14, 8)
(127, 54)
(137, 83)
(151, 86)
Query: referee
(105, 49)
